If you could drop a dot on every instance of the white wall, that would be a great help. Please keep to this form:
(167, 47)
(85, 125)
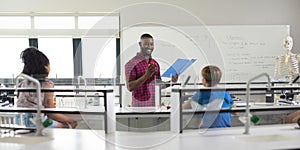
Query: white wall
(211, 12)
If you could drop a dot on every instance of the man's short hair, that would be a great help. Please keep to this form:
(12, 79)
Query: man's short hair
(146, 35)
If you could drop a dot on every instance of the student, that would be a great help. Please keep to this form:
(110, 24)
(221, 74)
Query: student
(37, 65)
(142, 72)
(211, 76)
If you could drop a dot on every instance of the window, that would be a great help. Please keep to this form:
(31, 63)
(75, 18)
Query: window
(15, 22)
(10, 62)
(98, 22)
(54, 22)
(98, 57)
(55, 35)
(59, 50)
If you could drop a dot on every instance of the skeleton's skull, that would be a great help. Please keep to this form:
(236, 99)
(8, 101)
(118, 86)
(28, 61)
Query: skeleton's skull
(288, 43)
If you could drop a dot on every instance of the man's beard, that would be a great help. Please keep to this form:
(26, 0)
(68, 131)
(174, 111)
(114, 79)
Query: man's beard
(144, 51)
(146, 54)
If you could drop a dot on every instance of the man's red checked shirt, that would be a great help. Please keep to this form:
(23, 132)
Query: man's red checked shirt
(144, 96)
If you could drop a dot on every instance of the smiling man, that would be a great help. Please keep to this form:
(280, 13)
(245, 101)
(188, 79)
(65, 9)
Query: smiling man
(142, 72)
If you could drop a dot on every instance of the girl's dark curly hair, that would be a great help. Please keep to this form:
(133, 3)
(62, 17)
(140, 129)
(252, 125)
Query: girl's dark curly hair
(35, 62)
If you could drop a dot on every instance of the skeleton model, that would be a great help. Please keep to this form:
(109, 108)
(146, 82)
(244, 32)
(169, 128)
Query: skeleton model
(286, 66)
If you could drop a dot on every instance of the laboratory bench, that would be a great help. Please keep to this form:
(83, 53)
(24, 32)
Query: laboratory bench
(261, 137)
(132, 119)
(92, 131)
(253, 105)
(151, 119)
(157, 119)
(105, 112)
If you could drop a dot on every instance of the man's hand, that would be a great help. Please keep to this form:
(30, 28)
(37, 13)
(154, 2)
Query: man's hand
(150, 70)
(133, 84)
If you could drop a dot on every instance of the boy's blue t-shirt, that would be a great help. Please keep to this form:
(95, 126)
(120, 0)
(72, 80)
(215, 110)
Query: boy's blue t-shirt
(215, 120)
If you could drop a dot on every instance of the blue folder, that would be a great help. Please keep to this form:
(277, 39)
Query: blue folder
(179, 66)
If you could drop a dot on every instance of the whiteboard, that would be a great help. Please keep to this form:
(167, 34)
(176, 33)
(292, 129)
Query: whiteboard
(241, 51)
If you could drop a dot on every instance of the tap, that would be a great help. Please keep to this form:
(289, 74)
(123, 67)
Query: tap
(247, 124)
(38, 121)
(85, 95)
